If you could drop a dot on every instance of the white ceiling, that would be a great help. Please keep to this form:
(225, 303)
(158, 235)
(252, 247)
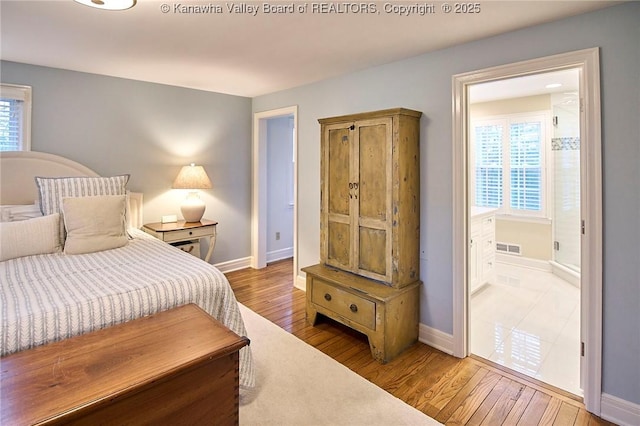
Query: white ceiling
(517, 87)
(241, 54)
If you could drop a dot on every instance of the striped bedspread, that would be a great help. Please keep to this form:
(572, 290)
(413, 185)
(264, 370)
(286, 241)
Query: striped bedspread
(51, 297)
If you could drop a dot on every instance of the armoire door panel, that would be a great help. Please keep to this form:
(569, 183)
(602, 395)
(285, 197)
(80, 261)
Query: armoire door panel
(373, 147)
(373, 251)
(338, 176)
(339, 236)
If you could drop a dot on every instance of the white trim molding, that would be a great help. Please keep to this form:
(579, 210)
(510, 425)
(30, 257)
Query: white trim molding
(259, 184)
(435, 338)
(525, 262)
(619, 411)
(284, 253)
(300, 282)
(587, 61)
(234, 265)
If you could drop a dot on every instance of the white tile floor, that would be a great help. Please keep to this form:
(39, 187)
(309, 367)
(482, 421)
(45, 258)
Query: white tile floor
(529, 321)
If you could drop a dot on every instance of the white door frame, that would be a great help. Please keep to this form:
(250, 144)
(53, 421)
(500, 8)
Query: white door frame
(588, 62)
(259, 196)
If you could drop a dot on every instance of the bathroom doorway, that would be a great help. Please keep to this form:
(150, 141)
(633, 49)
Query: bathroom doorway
(590, 225)
(524, 198)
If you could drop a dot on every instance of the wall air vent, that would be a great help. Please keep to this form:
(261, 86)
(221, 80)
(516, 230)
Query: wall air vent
(509, 248)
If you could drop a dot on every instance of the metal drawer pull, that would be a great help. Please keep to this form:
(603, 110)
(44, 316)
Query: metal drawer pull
(353, 307)
(327, 297)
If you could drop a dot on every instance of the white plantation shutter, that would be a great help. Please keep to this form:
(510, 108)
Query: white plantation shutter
(489, 165)
(508, 154)
(10, 125)
(15, 118)
(526, 165)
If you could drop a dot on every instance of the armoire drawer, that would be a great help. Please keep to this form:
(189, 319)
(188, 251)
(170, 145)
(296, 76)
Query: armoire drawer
(387, 315)
(346, 304)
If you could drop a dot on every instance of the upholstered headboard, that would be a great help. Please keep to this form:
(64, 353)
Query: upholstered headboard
(18, 170)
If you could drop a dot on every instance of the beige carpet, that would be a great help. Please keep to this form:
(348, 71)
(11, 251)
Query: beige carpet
(299, 385)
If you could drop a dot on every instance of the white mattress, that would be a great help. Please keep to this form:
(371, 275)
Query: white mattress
(51, 297)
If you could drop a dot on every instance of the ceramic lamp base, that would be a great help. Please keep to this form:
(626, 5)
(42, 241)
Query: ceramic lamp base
(193, 208)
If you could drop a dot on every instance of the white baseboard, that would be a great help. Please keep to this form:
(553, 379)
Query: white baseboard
(619, 411)
(435, 338)
(541, 265)
(234, 265)
(300, 283)
(285, 253)
(565, 273)
(527, 262)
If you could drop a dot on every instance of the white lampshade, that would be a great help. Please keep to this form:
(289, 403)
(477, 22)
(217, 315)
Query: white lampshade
(109, 4)
(192, 177)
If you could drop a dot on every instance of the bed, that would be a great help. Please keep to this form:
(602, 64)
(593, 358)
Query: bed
(50, 296)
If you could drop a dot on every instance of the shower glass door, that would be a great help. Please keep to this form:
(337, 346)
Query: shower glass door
(566, 155)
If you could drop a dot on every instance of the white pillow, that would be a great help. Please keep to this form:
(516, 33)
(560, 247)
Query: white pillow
(16, 212)
(29, 237)
(94, 223)
(52, 190)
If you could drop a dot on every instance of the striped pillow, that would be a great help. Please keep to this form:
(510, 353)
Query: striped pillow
(52, 190)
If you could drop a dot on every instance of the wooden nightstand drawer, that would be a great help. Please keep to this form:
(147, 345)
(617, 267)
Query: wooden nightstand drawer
(348, 305)
(187, 233)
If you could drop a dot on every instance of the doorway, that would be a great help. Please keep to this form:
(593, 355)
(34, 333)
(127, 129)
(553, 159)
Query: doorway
(281, 123)
(587, 63)
(524, 222)
(280, 165)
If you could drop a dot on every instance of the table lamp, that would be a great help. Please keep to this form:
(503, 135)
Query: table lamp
(192, 177)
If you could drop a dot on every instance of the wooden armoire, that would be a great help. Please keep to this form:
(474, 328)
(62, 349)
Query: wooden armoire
(369, 277)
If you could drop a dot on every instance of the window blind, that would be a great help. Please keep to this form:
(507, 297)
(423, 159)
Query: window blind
(489, 165)
(508, 155)
(15, 117)
(11, 124)
(525, 158)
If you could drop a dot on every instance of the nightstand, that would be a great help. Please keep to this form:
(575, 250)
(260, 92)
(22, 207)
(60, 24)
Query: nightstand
(180, 232)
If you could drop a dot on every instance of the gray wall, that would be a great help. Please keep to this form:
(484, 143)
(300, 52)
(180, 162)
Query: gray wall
(113, 126)
(424, 83)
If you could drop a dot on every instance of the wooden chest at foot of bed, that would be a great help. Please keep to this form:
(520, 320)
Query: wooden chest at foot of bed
(175, 367)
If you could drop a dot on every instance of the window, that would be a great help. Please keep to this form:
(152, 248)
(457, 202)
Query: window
(15, 118)
(508, 155)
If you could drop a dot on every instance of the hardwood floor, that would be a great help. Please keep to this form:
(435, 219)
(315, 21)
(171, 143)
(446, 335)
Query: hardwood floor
(451, 390)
